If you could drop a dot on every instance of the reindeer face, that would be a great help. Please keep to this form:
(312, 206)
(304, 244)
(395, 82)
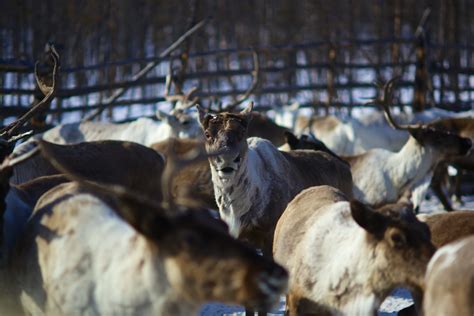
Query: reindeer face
(226, 133)
(188, 124)
(445, 142)
(183, 124)
(208, 265)
(402, 244)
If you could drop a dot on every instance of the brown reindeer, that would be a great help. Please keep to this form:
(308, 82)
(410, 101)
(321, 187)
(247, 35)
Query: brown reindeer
(343, 257)
(193, 180)
(263, 127)
(104, 249)
(450, 280)
(254, 181)
(463, 127)
(448, 227)
(112, 162)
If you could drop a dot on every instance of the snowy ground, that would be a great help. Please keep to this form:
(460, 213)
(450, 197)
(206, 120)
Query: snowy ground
(399, 299)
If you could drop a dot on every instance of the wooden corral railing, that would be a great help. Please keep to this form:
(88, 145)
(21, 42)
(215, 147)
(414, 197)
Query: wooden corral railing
(323, 75)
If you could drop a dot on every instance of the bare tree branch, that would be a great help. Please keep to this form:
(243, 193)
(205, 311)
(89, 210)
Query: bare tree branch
(119, 92)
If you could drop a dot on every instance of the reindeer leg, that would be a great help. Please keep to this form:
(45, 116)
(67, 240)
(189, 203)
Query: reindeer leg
(436, 184)
(457, 186)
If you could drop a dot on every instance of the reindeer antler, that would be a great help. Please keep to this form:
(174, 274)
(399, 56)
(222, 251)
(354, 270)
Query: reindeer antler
(179, 96)
(48, 91)
(255, 79)
(386, 100)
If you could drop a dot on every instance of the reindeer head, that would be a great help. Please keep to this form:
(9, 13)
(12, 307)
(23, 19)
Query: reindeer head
(402, 245)
(208, 265)
(226, 133)
(443, 142)
(183, 124)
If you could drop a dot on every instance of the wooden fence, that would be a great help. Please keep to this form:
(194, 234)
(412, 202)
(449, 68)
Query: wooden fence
(324, 75)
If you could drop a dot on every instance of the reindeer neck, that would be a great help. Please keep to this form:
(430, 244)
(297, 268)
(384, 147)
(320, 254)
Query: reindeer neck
(411, 163)
(248, 191)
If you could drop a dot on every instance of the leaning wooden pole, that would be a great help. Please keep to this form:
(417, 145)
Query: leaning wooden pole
(142, 73)
(421, 73)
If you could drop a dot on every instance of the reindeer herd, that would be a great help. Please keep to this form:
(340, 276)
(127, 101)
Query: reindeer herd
(116, 219)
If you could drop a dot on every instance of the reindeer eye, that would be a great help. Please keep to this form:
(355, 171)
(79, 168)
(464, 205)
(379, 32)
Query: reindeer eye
(397, 240)
(207, 134)
(191, 240)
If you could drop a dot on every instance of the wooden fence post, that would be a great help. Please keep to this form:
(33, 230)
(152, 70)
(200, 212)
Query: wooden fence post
(331, 75)
(420, 89)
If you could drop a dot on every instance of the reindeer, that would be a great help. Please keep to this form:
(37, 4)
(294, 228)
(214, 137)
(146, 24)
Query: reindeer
(354, 136)
(450, 280)
(104, 249)
(307, 142)
(464, 127)
(381, 176)
(143, 130)
(254, 181)
(112, 162)
(196, 176)
(448, 227)
(199, 174)
(343, 257)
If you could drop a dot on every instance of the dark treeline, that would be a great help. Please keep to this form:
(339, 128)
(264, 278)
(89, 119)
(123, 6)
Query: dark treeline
(101, 31)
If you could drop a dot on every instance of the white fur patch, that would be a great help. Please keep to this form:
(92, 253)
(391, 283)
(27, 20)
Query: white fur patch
(446, 255)
(234, 205)
(384, 176)
(144, 131)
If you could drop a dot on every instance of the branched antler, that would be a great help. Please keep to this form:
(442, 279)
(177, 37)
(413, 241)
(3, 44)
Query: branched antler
(255, 80)
(181, 100)
(385, 100)
(7, 133)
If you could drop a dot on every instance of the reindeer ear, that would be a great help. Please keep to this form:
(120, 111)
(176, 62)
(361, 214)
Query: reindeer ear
(248, 110)
(202, 115)
(373, 222)
(291, 139)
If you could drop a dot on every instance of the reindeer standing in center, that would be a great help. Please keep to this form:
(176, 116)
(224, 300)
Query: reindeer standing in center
(254, 181)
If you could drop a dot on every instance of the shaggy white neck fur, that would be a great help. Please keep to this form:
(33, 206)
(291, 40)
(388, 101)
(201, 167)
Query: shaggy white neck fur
(250, 187)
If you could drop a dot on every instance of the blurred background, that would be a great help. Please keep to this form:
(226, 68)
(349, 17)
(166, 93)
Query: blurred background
(322, 54)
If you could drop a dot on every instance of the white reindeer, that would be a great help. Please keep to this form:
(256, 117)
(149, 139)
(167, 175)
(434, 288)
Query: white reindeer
(450, 280)
(343, 257)
(353, 136)
(381, 176)
(254, 181)
(103, 250)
